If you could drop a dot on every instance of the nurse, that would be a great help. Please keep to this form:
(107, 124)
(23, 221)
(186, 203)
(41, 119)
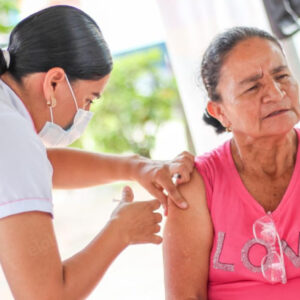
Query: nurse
(56, 64)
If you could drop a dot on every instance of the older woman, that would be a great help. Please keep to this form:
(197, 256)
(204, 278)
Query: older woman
(239, 239)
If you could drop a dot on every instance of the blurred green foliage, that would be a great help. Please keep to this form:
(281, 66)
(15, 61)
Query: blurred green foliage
(140, 96)
(8, 13)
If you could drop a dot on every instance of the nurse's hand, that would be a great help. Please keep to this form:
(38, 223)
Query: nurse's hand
(156, 177)
(137, 222)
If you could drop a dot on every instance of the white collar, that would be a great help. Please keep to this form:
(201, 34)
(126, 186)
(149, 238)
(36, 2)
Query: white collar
(11, 99)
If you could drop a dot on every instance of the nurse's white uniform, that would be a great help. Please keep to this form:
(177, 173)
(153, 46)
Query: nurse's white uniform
(25, 171)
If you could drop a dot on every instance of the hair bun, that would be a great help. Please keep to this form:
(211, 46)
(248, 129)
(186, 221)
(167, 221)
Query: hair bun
(4, 61)
(6, 56)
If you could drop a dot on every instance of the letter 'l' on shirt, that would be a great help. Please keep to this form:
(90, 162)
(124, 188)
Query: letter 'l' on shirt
(25, 171)
(235, 262)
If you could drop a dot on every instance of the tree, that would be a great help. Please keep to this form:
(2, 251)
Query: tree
(8, 13)
(140, 96)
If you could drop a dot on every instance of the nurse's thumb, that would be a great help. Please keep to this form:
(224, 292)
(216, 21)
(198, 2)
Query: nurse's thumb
(127, 194)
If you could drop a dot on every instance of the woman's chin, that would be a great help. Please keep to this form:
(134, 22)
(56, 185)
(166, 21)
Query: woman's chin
(279, 124)
(278, 129)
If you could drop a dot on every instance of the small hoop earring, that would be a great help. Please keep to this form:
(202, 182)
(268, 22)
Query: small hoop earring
(228, 129)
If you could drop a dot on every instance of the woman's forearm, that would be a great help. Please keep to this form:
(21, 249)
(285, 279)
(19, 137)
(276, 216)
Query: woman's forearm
(74, 168)
(84, 270)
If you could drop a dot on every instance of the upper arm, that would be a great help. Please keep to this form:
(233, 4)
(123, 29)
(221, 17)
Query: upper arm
(188, 236)
(28, 251)
(29, 256)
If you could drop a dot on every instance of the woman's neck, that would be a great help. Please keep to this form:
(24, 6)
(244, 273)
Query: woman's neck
(31, 93)
(271, 156)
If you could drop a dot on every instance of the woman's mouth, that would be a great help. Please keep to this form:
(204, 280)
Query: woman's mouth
(276, 113)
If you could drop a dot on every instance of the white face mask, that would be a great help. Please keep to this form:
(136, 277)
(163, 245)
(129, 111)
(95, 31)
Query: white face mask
(54, 135)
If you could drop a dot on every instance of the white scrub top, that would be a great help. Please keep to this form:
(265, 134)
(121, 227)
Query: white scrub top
(25, 171)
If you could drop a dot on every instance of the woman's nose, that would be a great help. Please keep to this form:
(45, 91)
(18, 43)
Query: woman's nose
(273, 92)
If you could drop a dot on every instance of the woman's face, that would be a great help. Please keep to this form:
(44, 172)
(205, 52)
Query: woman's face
(85, 92)
(259, 94)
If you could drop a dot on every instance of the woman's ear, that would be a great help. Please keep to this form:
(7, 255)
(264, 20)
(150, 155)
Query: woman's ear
(53, 78)
(215, 110)
(212, 109)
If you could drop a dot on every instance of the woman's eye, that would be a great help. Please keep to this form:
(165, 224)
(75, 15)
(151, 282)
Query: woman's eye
(283, 76)
(252, 88)
(90, 101)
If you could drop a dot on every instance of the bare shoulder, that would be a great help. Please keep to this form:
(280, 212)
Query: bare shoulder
(194, 192)
(29, 255)
(195, 220)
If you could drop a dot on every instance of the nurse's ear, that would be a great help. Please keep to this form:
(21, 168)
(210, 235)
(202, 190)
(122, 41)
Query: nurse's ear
(52, 84)
(216, 110)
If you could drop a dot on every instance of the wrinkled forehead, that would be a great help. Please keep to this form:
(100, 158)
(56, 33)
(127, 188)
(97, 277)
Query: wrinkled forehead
(251, 56)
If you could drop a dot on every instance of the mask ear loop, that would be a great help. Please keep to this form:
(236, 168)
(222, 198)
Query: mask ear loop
(71, 90)
(51, 113)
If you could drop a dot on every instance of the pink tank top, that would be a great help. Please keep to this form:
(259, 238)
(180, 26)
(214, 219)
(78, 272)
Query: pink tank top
(235, 262)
